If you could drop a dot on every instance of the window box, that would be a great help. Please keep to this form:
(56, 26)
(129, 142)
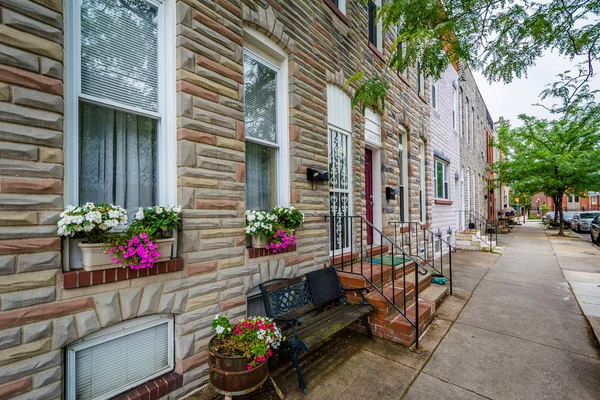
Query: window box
(255, 252)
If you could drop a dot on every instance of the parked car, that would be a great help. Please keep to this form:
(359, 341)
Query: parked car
(581, 221)
(548, 217)
(595, 230)
(568, 217)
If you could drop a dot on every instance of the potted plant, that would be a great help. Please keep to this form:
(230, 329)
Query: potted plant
(260, 225)
(288, 218)
(134, 250)
(280, 241)
(93, 223)
(158, 223)
(238, 354)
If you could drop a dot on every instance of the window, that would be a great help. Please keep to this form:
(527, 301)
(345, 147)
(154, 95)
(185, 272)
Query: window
(576, 199)
(468, 122)
(461, 116)
(375, 25)
(120, 357)
(422, 186)
(265, 91)
(440, 179)
(421, 78)
(403, 166)
(340, 4)
(434, 93)
(117, 104)
(454, 108)
(594, 200)
(570, 199)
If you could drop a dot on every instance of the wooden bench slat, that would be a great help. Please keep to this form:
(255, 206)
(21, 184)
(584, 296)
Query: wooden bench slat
(313, 322)
(342, 321)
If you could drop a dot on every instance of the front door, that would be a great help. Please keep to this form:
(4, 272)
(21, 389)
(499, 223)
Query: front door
(369, 192)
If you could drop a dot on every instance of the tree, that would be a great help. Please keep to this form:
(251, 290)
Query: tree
(500, 38)
(555, 157)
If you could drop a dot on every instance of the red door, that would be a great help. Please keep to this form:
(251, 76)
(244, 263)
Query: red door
(369, 192)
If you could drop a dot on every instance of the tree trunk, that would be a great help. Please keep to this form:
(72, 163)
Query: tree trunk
(561, 227)
(556, 208)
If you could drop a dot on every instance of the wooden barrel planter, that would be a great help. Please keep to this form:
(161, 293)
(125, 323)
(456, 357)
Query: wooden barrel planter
(229, 375)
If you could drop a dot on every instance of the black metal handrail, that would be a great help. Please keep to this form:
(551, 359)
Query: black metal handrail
(427, 236)
(341, 232)
(478, 222)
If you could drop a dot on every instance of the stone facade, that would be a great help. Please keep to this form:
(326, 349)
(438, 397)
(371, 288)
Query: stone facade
(445, 143)
(473, 146)
(43, 309)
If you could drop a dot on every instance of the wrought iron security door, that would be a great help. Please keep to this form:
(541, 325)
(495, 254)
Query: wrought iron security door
(339, 188)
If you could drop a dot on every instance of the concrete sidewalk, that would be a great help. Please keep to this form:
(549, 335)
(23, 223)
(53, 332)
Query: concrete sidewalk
(521, 335)
(580, 262)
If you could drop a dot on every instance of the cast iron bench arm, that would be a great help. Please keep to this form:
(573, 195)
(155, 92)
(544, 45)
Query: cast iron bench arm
(360, 291)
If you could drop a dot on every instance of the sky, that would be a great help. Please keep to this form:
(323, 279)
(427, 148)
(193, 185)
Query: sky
(518, 97)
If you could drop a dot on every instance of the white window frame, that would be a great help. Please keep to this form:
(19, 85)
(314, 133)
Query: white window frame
(166, 115)
(420, 78)
(461, 113)
(446, 188)
(422, 184)
(342, 6)
(114, 332)
(454, 109)
(468, 121)
(402, 148)
(264, 50)
(434, 94)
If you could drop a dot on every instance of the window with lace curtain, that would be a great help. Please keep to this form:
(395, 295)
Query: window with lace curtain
(117, 110)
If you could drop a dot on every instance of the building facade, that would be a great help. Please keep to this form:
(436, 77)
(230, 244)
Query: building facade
(444, 127)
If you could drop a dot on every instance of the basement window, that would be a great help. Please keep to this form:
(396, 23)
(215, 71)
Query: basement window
(115, 359)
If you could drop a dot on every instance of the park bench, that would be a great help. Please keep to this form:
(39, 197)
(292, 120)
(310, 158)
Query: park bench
(311, 308)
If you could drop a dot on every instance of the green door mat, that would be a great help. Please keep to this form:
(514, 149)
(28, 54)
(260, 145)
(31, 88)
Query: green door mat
(387, 260)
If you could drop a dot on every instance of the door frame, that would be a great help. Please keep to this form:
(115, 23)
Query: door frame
(377, 189)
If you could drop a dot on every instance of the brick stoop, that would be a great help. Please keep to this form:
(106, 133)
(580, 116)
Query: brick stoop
(386, 322)
(154, 389)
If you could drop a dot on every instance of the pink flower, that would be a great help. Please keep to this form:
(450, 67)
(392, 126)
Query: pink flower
(248, 366)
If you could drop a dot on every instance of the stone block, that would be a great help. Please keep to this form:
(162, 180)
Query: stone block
(12, 218)
(150, 299)
(25, 134)
(165, 305)
(50, 155)
(31, 80)
(18, 58)
(31, 169)
(49, 217)
(27, 231)
(31, 280)
(51, 68)
(180, 302)
(212, 287)
(187, 283)
(211, 310)
(18, 151)
(186, 154)
(10, 337)
(29, 42)
(31, 202)
(29, 25)
(29, 116)
(185, 59)
(130, 302)
(46, 14)
(4, 92)
(189, 241)
(7, 265)
(37, 331)
(37, 99)
(51, 391)
(47, 377)
(20, 317)
(11, 389)
(39, 261)
(64, 332)
(26, 298)
(184, 346)
(202, 301)
(86, 323)
(23, 351)
(33, 186)
(28, 366)
(108, 309)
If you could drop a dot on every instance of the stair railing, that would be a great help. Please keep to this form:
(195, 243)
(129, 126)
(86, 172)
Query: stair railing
(342, 240)
(419, 231)
(478, 222)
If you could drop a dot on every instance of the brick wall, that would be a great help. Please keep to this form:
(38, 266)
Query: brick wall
(445, 141)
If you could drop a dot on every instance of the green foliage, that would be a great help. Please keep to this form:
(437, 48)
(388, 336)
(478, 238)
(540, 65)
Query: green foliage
(371, 93)
(288, 217)
(553, 157)
(158, 221)
(544, 209)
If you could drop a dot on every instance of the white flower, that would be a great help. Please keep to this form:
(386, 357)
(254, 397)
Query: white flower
(216, 316)
(219, 329)
(140, 214)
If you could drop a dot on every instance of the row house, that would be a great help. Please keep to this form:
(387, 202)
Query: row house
(220, 107)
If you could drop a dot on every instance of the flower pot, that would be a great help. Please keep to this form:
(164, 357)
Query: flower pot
(94, 258)
(165, 247)
(259, 242)
(229, 375)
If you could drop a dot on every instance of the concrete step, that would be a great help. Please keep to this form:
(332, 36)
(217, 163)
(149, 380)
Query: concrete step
(435, 293)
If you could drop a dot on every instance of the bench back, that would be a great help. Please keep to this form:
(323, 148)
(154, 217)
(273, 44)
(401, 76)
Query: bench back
(298, 295)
